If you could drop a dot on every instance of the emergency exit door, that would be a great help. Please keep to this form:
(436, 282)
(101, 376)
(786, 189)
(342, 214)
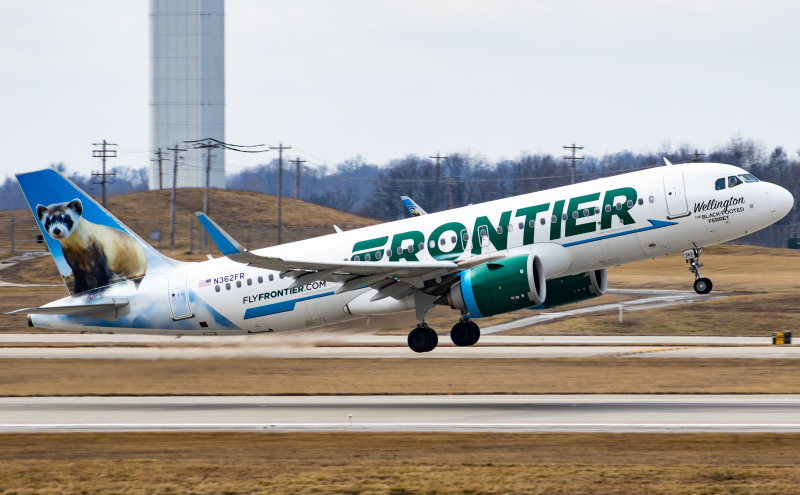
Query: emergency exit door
(675, 193)
(178, 298)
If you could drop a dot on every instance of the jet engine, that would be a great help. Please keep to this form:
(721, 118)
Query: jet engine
(500, 286)
(575, 288)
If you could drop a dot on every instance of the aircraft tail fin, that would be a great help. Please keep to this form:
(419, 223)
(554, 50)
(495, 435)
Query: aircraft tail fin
(413, 207)
(90, 246)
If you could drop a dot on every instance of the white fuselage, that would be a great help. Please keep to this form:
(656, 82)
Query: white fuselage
(653, 213)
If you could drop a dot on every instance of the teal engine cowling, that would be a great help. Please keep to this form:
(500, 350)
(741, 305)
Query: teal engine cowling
(575, 288)
(500, 286)
(517, 283)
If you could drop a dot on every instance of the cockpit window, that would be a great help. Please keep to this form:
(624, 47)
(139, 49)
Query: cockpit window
(734, 181)
(719, 184)
(748, 177)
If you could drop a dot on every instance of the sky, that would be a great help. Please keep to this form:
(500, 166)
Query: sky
(384, 79)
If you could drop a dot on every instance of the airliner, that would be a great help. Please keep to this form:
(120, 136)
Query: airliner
(534, 251)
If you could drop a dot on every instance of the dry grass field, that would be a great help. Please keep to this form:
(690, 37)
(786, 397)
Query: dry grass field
(416, 376)
(387, 463)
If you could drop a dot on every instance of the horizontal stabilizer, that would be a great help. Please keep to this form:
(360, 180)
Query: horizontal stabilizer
(108, 309)
(226, 244)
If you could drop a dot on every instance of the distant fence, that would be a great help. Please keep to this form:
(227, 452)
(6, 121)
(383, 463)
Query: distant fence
(24, 235)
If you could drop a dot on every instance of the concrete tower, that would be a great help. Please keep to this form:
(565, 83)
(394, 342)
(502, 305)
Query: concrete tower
(187, 91)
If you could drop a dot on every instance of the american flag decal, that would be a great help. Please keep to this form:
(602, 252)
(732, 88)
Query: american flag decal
(205, 283)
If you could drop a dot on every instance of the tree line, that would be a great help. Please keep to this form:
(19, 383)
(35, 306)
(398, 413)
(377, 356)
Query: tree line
(360, 187)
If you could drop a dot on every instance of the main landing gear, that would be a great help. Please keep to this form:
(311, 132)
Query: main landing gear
(701, 285)
(422, 338)
(465, 332)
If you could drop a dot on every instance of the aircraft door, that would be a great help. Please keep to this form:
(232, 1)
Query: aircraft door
(465, 239)
(483, 234)
(675, 192)
(178, 298)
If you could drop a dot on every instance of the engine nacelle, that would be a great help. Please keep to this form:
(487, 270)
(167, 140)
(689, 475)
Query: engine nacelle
(575, 288)
(362, 306)
(500, 286)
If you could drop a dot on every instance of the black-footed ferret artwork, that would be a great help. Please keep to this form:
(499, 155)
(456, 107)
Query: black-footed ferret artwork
(98, 255)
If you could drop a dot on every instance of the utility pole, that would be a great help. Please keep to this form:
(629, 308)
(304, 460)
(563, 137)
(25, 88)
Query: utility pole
(104, 153)
(451, 182)
(280, 149)
(438, 158)
(160, 158)
(175, 150)
(297, 163)
(697, 156)
(573, 158)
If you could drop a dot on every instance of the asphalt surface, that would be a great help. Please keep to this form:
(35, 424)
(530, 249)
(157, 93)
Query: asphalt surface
(563, 413)
(354, 346)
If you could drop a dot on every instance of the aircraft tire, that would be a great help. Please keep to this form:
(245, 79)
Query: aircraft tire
(477, 332)
(463, 333)
(702, 286)
(422, 339)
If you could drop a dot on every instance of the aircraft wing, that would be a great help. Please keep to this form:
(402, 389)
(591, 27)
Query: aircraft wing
(352, 274)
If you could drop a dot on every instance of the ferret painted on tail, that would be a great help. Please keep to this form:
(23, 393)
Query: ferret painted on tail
(98, 255)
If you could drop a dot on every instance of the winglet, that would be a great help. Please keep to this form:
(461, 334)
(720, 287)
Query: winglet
(222, 239)
(338, 230)
(669, 163)
(413, 207)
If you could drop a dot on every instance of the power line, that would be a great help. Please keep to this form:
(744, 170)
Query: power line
(573, 158)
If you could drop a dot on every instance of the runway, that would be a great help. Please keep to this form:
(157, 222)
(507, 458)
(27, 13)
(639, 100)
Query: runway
(526, 413)
(365, 346)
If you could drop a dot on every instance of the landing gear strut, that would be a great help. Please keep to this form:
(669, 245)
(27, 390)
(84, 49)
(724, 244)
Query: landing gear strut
(701, 285)
(422, 338)
(465, 332)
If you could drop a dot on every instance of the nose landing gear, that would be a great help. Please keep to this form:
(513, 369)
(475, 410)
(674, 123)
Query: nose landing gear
(701, 285)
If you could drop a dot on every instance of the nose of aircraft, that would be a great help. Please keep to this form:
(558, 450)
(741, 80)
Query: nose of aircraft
(780, 201)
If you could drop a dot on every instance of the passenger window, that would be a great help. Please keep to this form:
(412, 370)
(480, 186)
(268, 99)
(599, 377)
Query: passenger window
(442, 241)
(575, 214)
(249, 281)
(641, 201)
(367, 257)
(465, 237)
(378, 254)
(532, 223)
(228, 286)
(499, 230)
(421, 246)
(586, 212)
(619, 206)
(553, 219)
(400, 249)
(608, 208)
(260, 279)
(238, 284)
(510, 228)
(630, 203)
(410, 248)
(734, 181)
(542, 221)
(453, 239)
(216, 288)
(597, 209)
(356, 258)
(271, 277)
(719, 185)
(432, 244)
(521, 225)
(563, 217)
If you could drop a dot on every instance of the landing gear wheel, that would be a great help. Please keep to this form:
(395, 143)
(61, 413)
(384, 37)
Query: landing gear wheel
(477, 332)
(422, 339)
(702, 286)
(463, 333)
